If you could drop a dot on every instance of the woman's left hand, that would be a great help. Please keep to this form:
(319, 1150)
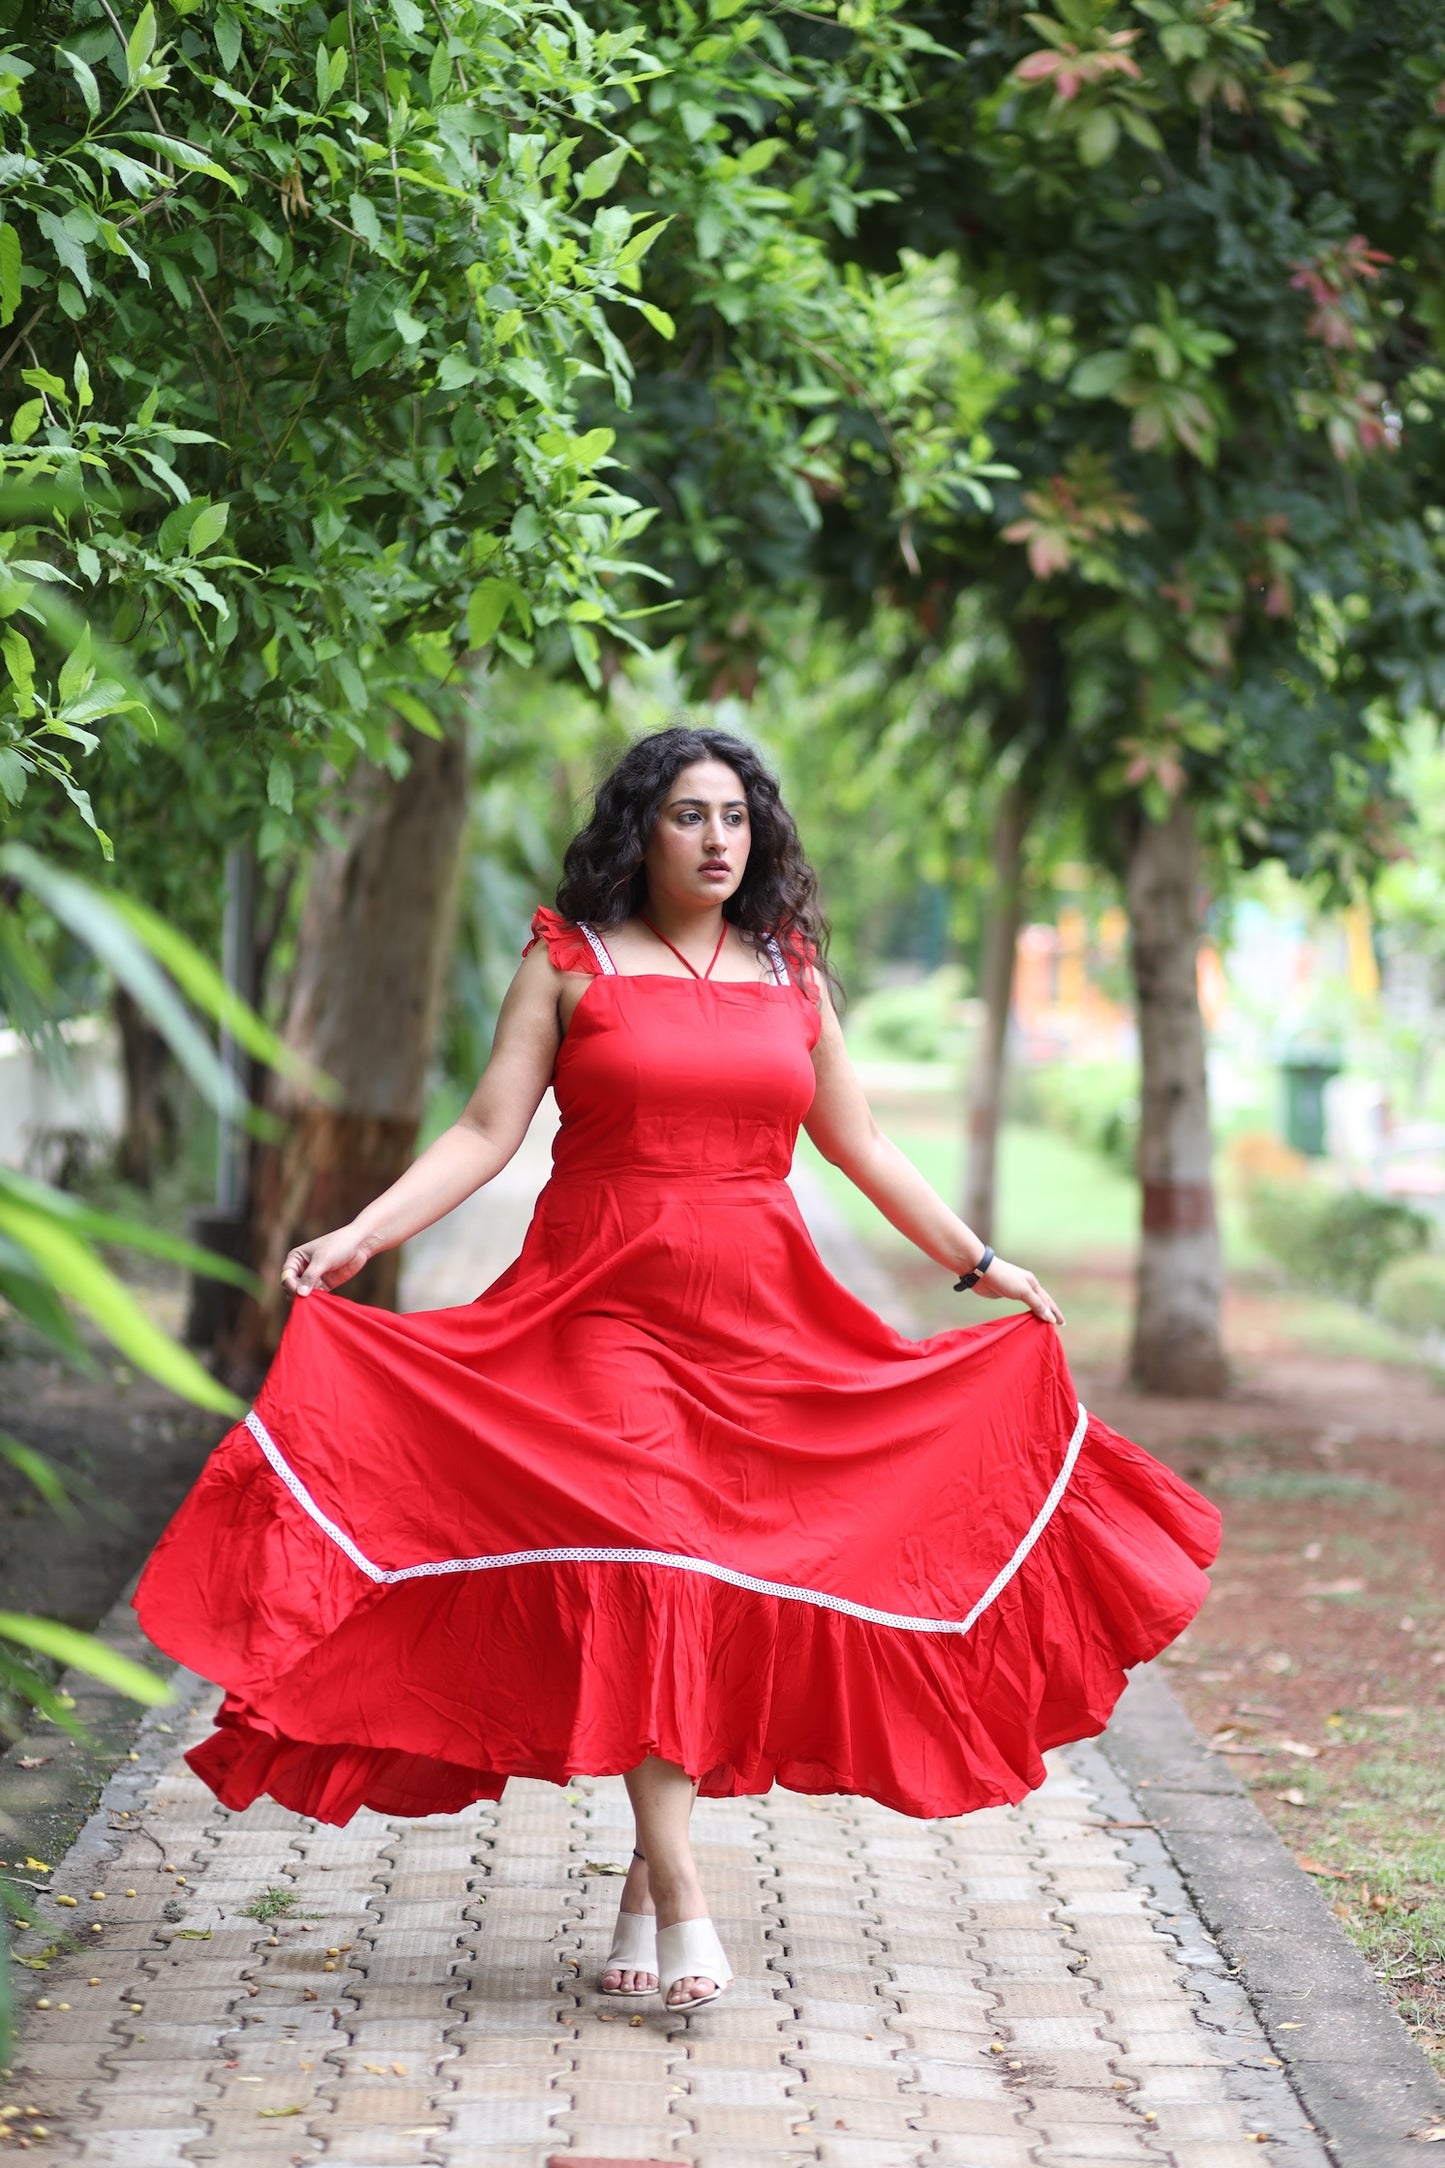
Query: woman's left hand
(1010, 1283)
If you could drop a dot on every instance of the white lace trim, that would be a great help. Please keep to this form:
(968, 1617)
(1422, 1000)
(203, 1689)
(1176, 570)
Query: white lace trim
(608, 967)
(585, 1554)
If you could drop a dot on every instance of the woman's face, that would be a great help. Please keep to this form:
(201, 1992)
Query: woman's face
(698, 850)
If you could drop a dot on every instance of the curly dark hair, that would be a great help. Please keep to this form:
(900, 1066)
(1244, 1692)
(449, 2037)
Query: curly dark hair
(603, 877)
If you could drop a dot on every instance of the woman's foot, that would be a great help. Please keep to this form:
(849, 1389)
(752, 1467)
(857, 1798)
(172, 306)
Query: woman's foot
(636, 1901)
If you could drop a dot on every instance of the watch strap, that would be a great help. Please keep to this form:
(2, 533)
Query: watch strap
(971, 1279)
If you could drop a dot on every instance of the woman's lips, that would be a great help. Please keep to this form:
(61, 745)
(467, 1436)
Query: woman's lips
(715, 873)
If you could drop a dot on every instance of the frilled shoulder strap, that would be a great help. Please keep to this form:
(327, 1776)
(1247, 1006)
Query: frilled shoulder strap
(569, 947)
(794, 963)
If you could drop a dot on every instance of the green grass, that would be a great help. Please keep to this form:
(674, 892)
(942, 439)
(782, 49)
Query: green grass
(273, 1903)
(1387, 1847)
(1056, 1198)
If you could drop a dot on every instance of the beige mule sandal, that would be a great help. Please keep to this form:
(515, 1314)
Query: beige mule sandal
(690, 1950)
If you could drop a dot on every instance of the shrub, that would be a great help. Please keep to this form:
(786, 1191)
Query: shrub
(918, 1022)
(1094, 1102)
(1410, 1295)
(1338, 1239)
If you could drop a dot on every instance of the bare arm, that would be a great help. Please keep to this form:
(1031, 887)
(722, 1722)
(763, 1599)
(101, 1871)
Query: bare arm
(477, 1146)
(841, 1124)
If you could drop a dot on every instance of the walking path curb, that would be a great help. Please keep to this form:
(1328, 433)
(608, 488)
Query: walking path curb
(1365, 2083)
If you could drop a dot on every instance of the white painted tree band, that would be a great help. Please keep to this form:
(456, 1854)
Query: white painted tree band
(588, 1555)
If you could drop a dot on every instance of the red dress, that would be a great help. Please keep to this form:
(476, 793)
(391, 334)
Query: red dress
(666, 1487)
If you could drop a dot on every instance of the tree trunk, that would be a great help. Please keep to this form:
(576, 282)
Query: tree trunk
(1177, 1341)
(149, 1124)
(364, 1004)
(996, 982)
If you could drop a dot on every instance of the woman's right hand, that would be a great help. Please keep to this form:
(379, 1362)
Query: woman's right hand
(329, 1261)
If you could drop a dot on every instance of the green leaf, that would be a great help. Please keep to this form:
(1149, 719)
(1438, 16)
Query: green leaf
(280, 784)
(27, 420)
(486, 607)
(10, 288)
(32, 1298)
(227, 34)
(99, 923)
(1141, 128)
(202, 983)
(75, 1270)
(207, 527)
(107, 698)
(14, 775)
(527, 527)
(410, 16)
(45, 380)
(185, 154)
(77, 671)
(85, 80)
(365, 220)
(41, 1473)
(456, 371)
(659, 319)
(85, 1219)
(634, 250)
(82, 1652)
(141, 42)
(596, 179)
(20, 662)
(1099, 376)
(1099, 137)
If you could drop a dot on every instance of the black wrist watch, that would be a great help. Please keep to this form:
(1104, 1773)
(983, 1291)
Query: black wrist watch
(971, 1279)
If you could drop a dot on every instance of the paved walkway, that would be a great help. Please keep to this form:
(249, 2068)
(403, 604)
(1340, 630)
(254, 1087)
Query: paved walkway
(1025, 1988)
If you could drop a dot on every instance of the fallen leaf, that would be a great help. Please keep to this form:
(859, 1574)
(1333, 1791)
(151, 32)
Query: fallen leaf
(1292, 1799)
(280, 2111)
(1333, 1588)
(32, 1761)
(1298, 1747)
(1317, 1866)
(602, 1866)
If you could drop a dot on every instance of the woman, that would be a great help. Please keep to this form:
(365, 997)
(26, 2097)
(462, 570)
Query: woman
(666, 1500)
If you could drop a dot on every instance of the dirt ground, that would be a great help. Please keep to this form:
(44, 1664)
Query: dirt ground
(1318, 1662)
(128, 1453)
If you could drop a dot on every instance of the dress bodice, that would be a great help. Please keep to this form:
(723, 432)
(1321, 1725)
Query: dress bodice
(663, 1076)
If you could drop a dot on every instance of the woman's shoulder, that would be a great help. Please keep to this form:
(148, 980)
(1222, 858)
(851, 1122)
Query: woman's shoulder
(567, 946)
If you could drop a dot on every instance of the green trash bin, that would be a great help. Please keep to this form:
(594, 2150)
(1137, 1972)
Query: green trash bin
(1306, 1071)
